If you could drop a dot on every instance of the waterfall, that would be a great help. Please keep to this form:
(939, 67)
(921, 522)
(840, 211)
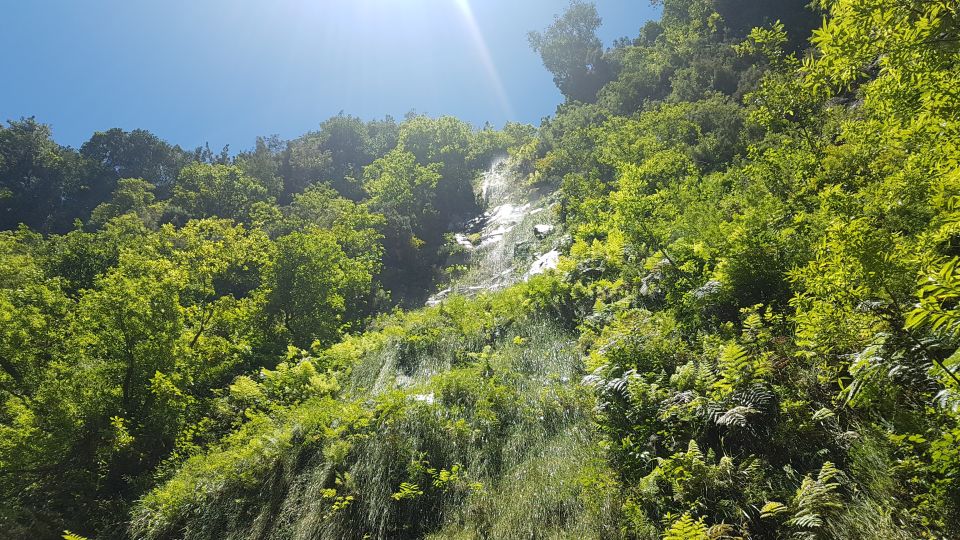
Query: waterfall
(506, 243)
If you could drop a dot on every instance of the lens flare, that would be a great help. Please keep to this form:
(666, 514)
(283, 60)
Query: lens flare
(483, 51)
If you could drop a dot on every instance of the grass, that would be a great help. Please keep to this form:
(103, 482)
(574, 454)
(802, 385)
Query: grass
(449, 416)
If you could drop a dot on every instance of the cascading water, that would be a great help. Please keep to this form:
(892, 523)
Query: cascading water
(529, 470)
(512, 240)
(501, 245)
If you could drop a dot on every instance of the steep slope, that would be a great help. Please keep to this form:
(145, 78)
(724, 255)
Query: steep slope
(463, 419)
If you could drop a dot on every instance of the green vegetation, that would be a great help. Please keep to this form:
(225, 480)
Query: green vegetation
(752, 332)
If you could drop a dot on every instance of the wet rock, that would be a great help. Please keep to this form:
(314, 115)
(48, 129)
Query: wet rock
(494, 236)
(547, 261)
(542, 231)
(708, 289)
(650, 284)
(497, 245)
(458, 258)
(588, 269)
(423, 398)
(508, 213)
(438, 297)
(463, 241)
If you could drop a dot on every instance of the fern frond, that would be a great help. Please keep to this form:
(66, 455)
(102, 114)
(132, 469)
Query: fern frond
(693, 451)
(736, 417)
(687, 528)
(939, 296)
(407, 491)
(735, 369)
(816, 500)
(823, 414)
(773, 509)
(722, 531)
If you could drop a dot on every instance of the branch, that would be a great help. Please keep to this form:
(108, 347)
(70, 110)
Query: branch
(208, 314)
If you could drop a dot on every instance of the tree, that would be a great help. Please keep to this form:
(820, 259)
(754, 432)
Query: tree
(97, 390)
(136, 154)
(449, 143)
(315, 292)
(399, 186)
(133, 195)
(41, 183)
(571, 50)
(204, 190)
(358, 230)
(336, 154)
(33, 309)
(263, 163)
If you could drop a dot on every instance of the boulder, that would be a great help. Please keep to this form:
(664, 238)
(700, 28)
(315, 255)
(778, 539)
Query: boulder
(542, 230)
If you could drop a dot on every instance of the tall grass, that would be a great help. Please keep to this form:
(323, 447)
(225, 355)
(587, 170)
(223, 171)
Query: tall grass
(494, 405)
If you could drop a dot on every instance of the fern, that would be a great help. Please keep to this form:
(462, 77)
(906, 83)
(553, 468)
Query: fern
(735, 367)
(938, 307)
(687, 528)
(823, 414)
(407, 491)
(816, 500)
(939, 295)
(773, 509)
(736, 417)
(756, 397)
(745, 414)
(693, 452)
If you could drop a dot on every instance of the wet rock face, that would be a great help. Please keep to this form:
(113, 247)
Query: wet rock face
(424, 398)
(499, 244)
(709, 289)
(438, 297)
(501, 220)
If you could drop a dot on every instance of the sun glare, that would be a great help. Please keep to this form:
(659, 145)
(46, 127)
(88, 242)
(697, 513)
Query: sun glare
(483, 51)
(380, 29)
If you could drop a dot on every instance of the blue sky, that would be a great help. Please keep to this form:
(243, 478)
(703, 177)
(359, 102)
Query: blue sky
(226, 71)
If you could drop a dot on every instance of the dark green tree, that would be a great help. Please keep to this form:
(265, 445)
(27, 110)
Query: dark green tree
(572, 52)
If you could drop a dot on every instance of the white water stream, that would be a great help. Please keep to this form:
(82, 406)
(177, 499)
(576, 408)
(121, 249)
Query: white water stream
(504, 244)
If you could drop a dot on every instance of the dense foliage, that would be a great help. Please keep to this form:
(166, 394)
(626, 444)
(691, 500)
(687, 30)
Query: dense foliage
(122, 333)
(752, 333)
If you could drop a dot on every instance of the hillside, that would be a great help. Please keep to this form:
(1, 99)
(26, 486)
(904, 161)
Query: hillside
(714, 296)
